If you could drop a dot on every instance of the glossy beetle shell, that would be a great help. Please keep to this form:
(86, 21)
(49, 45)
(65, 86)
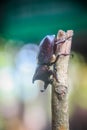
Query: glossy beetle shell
(46, 49)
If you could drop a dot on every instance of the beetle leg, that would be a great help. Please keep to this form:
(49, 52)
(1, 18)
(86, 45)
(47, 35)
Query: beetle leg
(54, 75)
(59, 41)
(55, 60)
(64, 54)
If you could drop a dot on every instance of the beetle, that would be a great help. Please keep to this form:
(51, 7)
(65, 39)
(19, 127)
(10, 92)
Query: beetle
(47, 57)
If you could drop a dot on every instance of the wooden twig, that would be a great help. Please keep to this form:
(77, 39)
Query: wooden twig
(60, 117)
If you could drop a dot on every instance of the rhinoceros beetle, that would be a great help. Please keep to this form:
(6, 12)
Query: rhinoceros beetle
(47, 57)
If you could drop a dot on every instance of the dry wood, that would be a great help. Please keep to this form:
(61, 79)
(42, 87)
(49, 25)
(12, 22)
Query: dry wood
(60, 117)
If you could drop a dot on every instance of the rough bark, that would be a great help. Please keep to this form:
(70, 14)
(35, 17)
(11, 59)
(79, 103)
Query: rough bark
(60, 117)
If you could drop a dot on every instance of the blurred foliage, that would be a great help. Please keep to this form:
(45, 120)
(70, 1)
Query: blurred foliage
(78, 76)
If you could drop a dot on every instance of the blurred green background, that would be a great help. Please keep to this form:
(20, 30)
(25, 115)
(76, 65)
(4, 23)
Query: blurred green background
(30, 20)
(23, 23)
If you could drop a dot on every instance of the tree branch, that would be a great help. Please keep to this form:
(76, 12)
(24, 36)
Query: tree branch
(60, 118)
